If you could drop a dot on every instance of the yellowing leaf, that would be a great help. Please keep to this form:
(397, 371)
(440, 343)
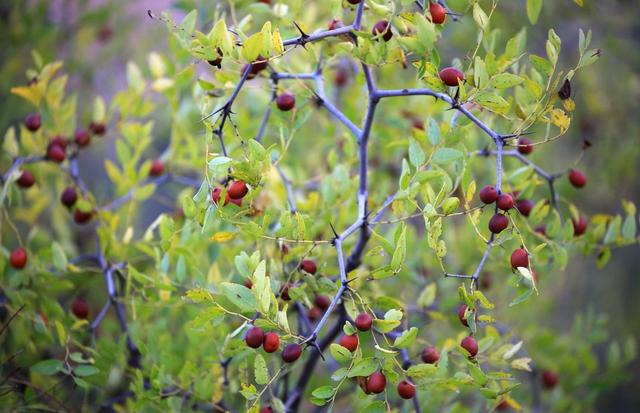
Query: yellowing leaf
(30, 93)
(223, 236)
(560, 119)
(277, 42)
(521, 364)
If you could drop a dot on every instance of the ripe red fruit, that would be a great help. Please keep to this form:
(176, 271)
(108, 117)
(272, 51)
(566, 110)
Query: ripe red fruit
(69, 197)
(59, 140)
(406, 389)
(291, 353)
(55, 153)
(157, 168)
(322, 302)
(341, 76)
(430, 355)
(80, 308)
(284, 292)
(524, 206)
(498, 223)
(314, 314)
(271, 342)
(549, 379)
(382, 26)
(81, 217)
(254, 337)
(519, 258)
(266, 409)
(505, 202)
(26, 179)
(451, 76)
(237, 190)
(248, 283)
(81, 137)
(376, 383)
(580, 226)
(542, 230)
(461, 311)
(258, 66)
(470, 344)
(418, 124)
(354, 1)
(18, 258)
(503, 405)
(488, 194)
(525, 146)
(335, 24)
(308, 266)
(363, 322)
(215, 197)
(349, 342)
(33, 121)
(577, 178)
(98, 128)
(286, 101)
(438, 13)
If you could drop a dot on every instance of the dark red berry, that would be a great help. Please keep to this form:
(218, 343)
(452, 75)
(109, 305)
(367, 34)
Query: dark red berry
(488, 194)
(438, 13)
(382, 26)
(524, 206)
(215, 197)
(525, 146)
(549, 379)
(266, 409)
(258, 66)
(580, 226)
(349, 342)
(451, 76)
(430, 355)
(354, 1)
(503, 405)
(33, 121)
(59, 140)
(80, 308)
(55, 153)
(335, 24)
(157, 168)
(271, 342)
(98, 128)
(461, 312)
(322, 302)
(248, 283)
(217, 62)
(364, 322)
(470, 344)
(314, 314)
(505, 202)
(26, 179)
(286, 101)
(542, 230)
(254, 337)
(309, 266)
(238, 190)
(291, 353)
(498, 223)
(577, 178)
(341, 76)
(69, 197)
(376, 383)
(406, 389)
(519, 258)
(284, 292)
(18, 258)
(81, 137)
(81, 217)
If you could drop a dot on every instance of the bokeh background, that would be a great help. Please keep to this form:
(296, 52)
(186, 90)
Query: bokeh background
(97, 38)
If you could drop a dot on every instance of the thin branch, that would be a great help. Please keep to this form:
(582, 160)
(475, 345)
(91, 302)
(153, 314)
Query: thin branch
(287, 185)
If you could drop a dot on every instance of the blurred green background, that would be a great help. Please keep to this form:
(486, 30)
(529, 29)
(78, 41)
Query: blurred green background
(97, 38)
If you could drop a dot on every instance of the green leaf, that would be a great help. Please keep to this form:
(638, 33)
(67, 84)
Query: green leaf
(445, 156)
(505, 80)
(406, 339)
(420, 371)
(86, 370)
(492, 102)
(521, 298)
(47, 367)
(480, 16)
(401, 250)
(260, 370)
(323, 392)
(433, 132)
(533, 10)
(240, 296)
(613, 232)
(416, 154)
(341, 354)
(476, 372)
(364, 368)
(59, 258)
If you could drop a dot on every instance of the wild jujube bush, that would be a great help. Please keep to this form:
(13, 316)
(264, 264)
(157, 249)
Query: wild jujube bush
(355, 214)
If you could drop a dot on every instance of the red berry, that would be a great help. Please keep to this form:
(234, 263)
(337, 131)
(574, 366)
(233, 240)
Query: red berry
(461, 312)
(382, 26)
(33, 121)
(417, 124)
(438, 13)
(335, 24)
(248, 283)
(18, 258)
(80, 308)
(498, 223)
(59, 140)
(470, 344)
(322, 302)
(286, 101)
(308, 266)
(524, 206)
(525, 146)
(291, 353)
(363, 322)
(284, 292)
(69, 197)
(519, 258)
(580, 226)
(266, 409)
(349, 342)
(505, 202)
(542, 230)
(577, 178)
(406, 389)
(157, 168)
(549, 379)
(354, 1)
(451, 76)
(314, 314)
(81, 217)
(55, 153)
(258, 66)
(488, 194)
(26, 179)
(503, 405)
(98, 128)
(341, 76)
(254, 337)
(215, 197)
(271, 342)
(81, 137)
(430, 355)
(237, 190)
(376, 383)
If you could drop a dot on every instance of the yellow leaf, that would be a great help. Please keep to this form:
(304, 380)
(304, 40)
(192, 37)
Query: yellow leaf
(222, 237)
(30, 93)
(277, 42)
(560, 119)
(569, 105)
(521, 364)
